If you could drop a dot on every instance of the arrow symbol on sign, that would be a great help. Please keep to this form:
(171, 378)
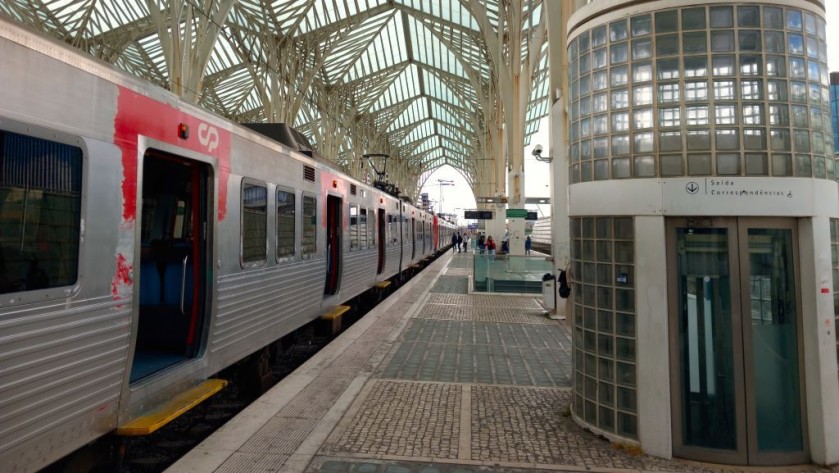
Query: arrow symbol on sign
(692, 187)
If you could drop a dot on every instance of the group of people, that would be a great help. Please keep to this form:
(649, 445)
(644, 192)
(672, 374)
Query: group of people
(460, 243)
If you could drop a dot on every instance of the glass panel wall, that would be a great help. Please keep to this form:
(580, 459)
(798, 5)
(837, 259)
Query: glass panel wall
(723, 79)
(603, 293)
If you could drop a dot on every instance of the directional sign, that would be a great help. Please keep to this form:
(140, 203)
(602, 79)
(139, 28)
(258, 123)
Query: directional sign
(516, 213)
(478, 215)
(692, 187)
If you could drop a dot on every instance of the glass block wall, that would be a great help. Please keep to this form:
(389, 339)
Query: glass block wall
(834, 105)
(722, 90)
(603, 295)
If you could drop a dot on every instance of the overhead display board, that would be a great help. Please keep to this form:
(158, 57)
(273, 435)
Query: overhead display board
(478, 215)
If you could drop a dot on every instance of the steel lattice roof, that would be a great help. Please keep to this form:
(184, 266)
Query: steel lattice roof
(418, 70)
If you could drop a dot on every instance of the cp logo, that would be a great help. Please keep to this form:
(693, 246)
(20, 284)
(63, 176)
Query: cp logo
(208, 136)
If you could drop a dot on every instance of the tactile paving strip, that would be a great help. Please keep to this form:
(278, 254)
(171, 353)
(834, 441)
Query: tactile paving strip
(478, 352)
(451, 285)
(316, 398)
(353, 360)
(241, 462)
(405, 419)
(458, 271)
(266, 440)
(484, 300)
(485, 314)
(462, 261)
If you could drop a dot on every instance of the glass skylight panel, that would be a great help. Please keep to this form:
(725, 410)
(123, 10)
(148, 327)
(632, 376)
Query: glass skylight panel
(376, 57)
(417, 112)
(153, 50)
(441, 113)
(440, 90)
(404, 87)
(428, 49)
(453, 131)
(430, 143)
(111, 15)
(380, 45)
(223, 56)
(421, 130)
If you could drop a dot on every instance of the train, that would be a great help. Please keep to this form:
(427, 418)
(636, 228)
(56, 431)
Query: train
(147, 244)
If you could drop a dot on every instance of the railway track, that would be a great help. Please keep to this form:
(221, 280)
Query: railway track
(248, 379)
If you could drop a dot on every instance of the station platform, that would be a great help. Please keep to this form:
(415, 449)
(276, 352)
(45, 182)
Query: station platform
(434, 379)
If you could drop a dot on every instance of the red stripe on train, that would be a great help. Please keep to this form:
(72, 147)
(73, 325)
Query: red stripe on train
(138, 115)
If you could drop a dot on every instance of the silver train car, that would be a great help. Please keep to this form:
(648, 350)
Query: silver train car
(146, 244)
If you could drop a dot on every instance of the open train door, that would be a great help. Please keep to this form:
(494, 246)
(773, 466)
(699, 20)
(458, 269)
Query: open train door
(174, 249)
(413, 238)
(334, 207)
(436, 229)
(380, 218)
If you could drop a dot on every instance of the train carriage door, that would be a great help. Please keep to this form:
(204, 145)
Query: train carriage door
(173, 276)
(382, 240)
(413, 238)
(334, 207)
(436, 233)
(422, 230)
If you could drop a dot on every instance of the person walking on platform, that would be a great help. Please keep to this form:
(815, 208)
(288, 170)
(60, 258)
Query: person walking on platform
(491, 247)
(454, 242)
(459, 241)
(482, 243)
(528, 244)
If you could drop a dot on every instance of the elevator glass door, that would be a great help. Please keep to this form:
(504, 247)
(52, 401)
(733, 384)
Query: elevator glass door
(735, 351)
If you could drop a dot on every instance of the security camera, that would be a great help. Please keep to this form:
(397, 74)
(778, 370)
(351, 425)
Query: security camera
(537, 150)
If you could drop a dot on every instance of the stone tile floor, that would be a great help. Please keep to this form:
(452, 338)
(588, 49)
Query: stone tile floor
(478, 383)
(467, 384)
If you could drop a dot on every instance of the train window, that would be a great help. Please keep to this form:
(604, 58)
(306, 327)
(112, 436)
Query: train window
(40, 213)
(362, 229)
(286, 235)
(371, 228)
(254, 222)
(310, 225)
(390, 233)
(353, 227)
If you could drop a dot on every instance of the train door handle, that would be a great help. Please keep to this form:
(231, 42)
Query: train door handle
(183, 284)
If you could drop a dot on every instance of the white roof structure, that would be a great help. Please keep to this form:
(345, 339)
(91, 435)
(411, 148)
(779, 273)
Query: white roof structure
(420, 80)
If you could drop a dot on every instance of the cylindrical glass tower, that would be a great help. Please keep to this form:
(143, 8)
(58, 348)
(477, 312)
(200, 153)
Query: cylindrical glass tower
(703, 204)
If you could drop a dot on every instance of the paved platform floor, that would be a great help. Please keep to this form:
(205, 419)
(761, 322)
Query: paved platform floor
(433, 380)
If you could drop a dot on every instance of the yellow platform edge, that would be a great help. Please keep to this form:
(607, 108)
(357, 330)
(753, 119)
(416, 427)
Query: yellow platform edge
(383, 284)
(335, 312)
(173, 409)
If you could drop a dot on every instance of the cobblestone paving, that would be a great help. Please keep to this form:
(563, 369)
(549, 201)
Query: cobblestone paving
(405, 419)
(352, 465)
(479, 352)
(505, 423)
(525, 425)
(451, 285)
(337, 465)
